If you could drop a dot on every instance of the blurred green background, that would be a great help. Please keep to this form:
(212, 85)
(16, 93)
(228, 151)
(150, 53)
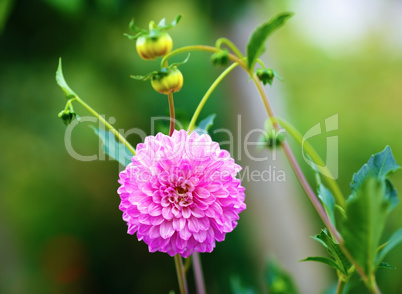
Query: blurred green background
(60, 227)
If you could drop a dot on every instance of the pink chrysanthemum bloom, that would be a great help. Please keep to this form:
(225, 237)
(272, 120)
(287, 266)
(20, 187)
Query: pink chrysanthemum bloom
(180, 193)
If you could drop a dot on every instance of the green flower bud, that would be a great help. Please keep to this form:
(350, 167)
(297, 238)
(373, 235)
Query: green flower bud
(154, 44)
(168, 80)
(266, 76)
(220, 58)
(67, 115)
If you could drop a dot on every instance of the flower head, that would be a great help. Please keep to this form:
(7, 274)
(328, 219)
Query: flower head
(180, 193)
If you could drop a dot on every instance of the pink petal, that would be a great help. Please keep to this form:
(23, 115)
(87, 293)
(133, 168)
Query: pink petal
(166, 229)
(201, 192)
(179, 223)
(185, 233)
(200, 236)
(167, 213)
(197, 212)
(154, 209)
(193, 225)
(186, 212)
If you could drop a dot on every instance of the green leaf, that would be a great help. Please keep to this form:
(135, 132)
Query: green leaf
(379, 166)
(385, 265)
(113, 148)
(395, 239)
(325, 260)
(334, 250)
(205, 124)
(367, 209)
(255, 46)
(328, 201)
(278, 280)
(62, 82)
(325, 196)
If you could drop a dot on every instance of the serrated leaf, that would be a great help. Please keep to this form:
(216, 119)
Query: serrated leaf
(325, 260)
(205, 124)
(385, 265)
(395, 239)
(62, 82)
(334, 250)
(255, 46)
(367, 209)
(113, 148)
(379, 166)
(278, 280)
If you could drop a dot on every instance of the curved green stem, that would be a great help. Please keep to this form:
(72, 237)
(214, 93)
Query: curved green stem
(208, 93)
(109, 126)
(172, 115)
(180, 274)
(231, 46)
(314, 156)
(69, 102)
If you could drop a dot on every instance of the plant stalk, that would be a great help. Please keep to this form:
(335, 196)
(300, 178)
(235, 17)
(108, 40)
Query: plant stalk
(180, 274)
(109, 126)
(199, 277)
(172, 115)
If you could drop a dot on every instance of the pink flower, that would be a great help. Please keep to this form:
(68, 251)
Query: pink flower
(180, 194)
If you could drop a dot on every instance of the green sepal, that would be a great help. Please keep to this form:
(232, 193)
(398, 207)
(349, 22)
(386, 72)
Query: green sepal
(176, 64)
(385, 265)
(159, 74)
(272, 138)
(163, 26)
(136, 36)
(220, 58)
(154, 30)
(255, 46)
(205, 124)
(395, 240)
(62, 82)
(115, 149)
(325, 260)
(144, 78)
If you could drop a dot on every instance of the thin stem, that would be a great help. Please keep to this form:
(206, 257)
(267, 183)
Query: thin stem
(208, 93)
(296, 168)
(180, 274)
(313, 198)
(315, 157)
(341, 286)
(69, 102)
(231, 46)
(187, 263)
(109, 126)
(199, 277)
(172, 115)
